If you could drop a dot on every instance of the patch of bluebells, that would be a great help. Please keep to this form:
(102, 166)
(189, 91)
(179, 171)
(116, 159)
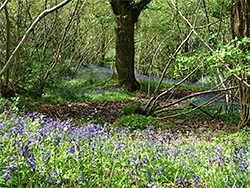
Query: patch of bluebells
(89, 155)
(218, 104)
(198, 100)
(74, 87)
(154, 79)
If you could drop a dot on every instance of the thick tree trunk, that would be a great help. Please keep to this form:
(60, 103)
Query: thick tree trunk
(125, 50)
(240, 23)
(244, 94)
(127, 12)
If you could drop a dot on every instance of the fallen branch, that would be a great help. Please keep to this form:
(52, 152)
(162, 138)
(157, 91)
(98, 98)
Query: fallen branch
(202, 105)
(174, 86)
(161, 109)
(199, 108)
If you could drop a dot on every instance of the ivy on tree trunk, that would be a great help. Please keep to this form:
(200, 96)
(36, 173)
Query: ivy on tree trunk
(127, 12)
(240, 24)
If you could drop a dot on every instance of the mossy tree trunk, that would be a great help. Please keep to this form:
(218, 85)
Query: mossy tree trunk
(127, 13)
(240, 24)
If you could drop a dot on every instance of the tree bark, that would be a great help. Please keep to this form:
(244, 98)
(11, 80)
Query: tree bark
(240, 25)
(125, 49)
(127, 13)
(7, 75)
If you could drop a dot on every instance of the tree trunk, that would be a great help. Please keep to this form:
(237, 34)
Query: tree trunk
(240, 24)
(127, 13)
(7, 75)
(125, 49)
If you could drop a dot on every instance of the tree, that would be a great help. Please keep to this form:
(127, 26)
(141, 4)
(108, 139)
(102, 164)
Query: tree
(240, 25)
(127, 12)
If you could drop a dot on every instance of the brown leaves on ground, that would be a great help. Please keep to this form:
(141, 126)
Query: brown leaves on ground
(110, 111)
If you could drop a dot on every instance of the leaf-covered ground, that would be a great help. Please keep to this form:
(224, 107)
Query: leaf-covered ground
(110, 111)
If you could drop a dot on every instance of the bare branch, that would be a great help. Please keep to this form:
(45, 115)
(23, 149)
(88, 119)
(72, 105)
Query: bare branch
(204, 26)
(161, 109)
(197, 107)
(31, 28)
(204, 42)
(4, 4)
(174, 86)
(166, 68)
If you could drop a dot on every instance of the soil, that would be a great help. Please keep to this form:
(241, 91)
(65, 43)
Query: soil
(110, 111)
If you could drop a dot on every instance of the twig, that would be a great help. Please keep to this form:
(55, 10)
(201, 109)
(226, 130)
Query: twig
(204, 111)
(204, 26)
(161, 109)
(184, 113)
(202, 40)
(4, 4)
(31, 28)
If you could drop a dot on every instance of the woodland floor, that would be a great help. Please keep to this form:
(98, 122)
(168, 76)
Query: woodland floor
(110, 111)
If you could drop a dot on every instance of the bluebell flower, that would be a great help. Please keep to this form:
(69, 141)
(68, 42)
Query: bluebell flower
(227, 183)
(72, 149)
(148, 173)
(132, 172)
(179, 181)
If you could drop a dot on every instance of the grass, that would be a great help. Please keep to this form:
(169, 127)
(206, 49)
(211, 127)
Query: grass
(40, 152)
(86, 86)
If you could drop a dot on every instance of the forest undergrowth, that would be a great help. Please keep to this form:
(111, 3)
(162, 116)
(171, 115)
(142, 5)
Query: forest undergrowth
(84, 133)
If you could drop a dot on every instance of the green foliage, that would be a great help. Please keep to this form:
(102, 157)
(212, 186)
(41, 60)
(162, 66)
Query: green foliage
(10, 105)
(233, 56)
(130, 109)
(135, 121)
(90, 119)
(186, 64)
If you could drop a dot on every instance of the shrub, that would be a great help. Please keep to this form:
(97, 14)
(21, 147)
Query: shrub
(135, 121)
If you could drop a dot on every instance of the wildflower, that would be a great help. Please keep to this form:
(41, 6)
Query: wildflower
(139, 163)
(132, 172)
(148, 174)
(145, 160)
(179, 181)
(32, 166)
(54, 173)
(5, 175)
(72, 150)
(159, 170)
(233, 141)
